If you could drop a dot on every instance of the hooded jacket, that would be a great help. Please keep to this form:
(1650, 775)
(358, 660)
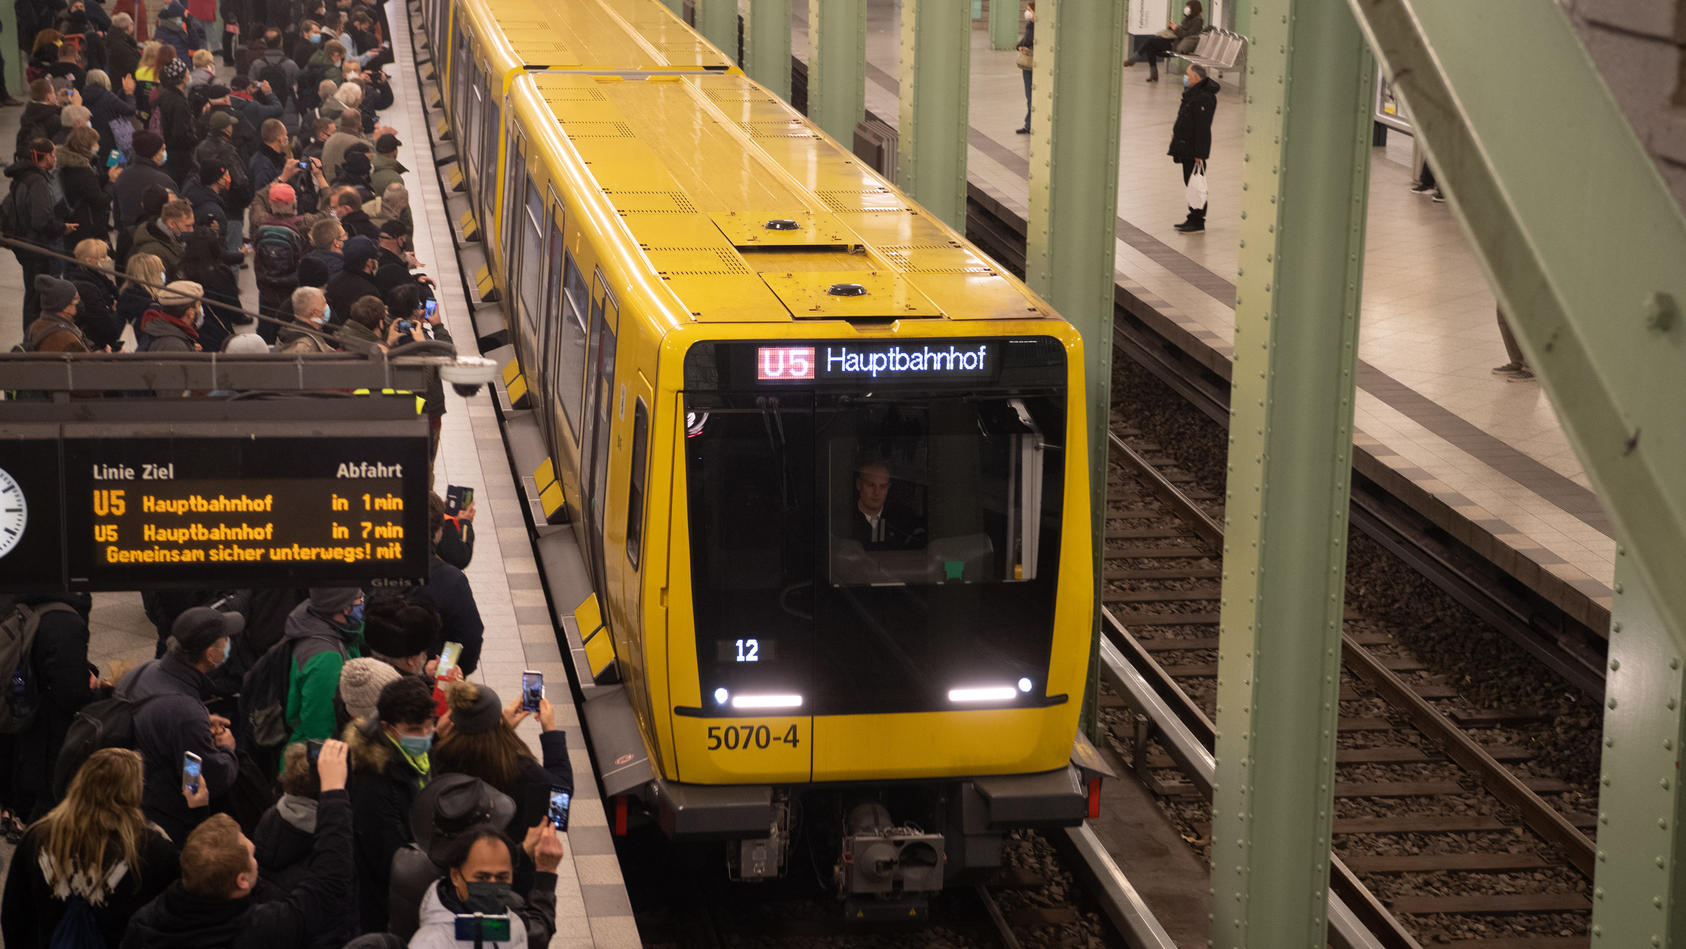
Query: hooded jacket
(283, 840)
(174, 720)
(384, 783)
(320, 650)
(33, 209)
(39, 118)
(1191, 136)
(438, 929)
(52, 333)
(168, 334)
(153, 237)
(270, 916)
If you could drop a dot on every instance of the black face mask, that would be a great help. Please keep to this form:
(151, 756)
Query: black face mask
(487, 897)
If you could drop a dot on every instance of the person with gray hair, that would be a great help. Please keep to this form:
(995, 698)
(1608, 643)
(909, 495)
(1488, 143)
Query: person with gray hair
(122, 53)
(310, 312)
(111, 112)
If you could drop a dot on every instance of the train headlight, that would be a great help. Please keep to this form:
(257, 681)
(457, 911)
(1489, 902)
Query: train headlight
(720, 696)
(972, 694)
(1025, 685)
(776, 700)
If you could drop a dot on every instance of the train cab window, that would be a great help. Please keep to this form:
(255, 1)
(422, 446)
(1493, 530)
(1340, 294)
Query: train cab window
(571, 379)
(635, 483)
(898, 543)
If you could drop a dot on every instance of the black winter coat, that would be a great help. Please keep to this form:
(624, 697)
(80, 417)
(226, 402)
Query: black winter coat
(30, 911)
(175, 119)
(131, 305)
(448, 590)
(122, 56)
(283, 849)
(87, 197)
(33, 206)
(1191, 136)
(383, 786)
(131, 186)
(59, 663)
(39, 118)
(346, 288)
(97, 315)
(270, 916)
(174, 721)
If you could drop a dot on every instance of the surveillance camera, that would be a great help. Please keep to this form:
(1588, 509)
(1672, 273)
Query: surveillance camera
(468, 374)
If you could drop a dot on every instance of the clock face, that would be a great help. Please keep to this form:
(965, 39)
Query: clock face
(14, 512)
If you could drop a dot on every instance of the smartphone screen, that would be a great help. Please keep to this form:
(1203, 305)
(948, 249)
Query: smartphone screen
(447, 660)
(191, 766)
(432, 306)
(559, 809)
(483, 929)
(313, 749)
(532, 689)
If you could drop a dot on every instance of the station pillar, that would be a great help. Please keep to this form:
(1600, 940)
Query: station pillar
(1004, 20)
(1071, 234)
(15, 57)
(1639, 893)
(717, 21)
(1304, 178)
(936, 61)
(837, 66)
(767, 44)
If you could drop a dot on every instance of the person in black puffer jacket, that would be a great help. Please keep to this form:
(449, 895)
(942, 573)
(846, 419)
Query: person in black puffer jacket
(87, 190)
(389, 768)
(286, 835)
(97, 314)
(1191, 136)
(175, 121)
(58, 663)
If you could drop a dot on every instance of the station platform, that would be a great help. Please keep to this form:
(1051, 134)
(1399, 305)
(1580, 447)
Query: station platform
(592, 906)
(1482, 457)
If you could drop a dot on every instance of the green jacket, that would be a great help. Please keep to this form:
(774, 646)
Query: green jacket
(320, 651)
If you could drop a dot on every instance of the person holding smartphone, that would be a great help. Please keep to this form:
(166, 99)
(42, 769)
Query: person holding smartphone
(481, 741)
(391, 764)
(481, 877)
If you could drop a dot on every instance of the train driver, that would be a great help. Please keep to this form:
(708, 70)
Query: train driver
(877, 523)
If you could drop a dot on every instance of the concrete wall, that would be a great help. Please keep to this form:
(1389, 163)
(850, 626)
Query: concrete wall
(1640, 47)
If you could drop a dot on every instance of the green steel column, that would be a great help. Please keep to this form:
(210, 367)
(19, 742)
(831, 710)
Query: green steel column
(767, 44)
(14, 56)
(1004, 20)
(1640, 894)
(1071, 236)
(837, 66)
(1304, 180)
(677, 6)
(717, 21)
(936, 66)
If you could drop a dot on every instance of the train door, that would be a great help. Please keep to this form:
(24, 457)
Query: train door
(515, 176)
(600, 412)
(549, 317)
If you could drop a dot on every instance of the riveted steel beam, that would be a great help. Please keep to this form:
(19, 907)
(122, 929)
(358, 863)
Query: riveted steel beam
(1591, 276)
(1305, 179)
(1003, 23)
(936, 64)
(1071, 232)
(717, 20)
(767, 44)
(837, 66)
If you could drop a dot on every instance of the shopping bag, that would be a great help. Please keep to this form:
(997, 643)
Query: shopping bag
(1026, 60)
(1197, 186)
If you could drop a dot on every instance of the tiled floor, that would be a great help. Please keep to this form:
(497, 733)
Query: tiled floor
(1428, 404)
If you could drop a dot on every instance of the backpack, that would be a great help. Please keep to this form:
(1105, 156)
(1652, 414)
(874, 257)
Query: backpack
(263, 695)
(78, 928)
(9, 223)
(106, 723)
(278, 83)
(22, 696)
(276, 253)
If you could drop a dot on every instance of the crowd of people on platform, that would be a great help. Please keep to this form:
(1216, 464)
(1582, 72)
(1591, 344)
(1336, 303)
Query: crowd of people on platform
(294, 767)
(146, 176)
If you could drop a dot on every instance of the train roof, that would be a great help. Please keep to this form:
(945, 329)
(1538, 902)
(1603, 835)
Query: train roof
(748, 213)
(629, 35)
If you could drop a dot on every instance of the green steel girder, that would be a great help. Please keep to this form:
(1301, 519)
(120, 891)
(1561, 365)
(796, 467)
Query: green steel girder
(936, 64)
(1640, 894)
(677, 6)
(1071, 234)
(1305, 181)
(1003, 24)
(767, 44)
(1583, 243)
(837, 66)
(717, 20)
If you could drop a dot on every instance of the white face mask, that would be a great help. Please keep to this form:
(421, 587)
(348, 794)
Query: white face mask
(1188, 11)
(1029, 15)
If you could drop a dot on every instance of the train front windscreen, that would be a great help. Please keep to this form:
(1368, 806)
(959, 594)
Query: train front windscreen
(875, 544)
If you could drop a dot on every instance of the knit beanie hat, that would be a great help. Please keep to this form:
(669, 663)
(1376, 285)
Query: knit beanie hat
(475, 709)
(175, 72)
(361, 681)
(330, 600)
(180, 293)
(55, 294)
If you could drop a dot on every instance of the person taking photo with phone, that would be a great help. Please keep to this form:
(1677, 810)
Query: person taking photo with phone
(480, 878)
(285, 837)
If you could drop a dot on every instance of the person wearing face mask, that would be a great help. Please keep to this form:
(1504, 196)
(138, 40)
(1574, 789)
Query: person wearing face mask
(1191, 136)
(390, 766)
(323, 633)
(173, 326)
(1027, 48)
(165, 235)
(222, 898)
(480, 868)
(172, 718)
(92, 276)
(310, 315)
(1180, 37)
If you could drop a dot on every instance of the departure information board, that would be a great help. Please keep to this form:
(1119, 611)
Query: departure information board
(335, 504)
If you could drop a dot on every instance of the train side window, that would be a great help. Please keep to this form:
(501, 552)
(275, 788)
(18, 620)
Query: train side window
(571, 379)
(514, 175)
(459, 79)
(532, 249)
(635, 483)
(550, 319)
(471, 120)
(488, 142)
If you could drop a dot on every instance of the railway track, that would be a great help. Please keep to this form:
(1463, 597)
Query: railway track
(1442, 828)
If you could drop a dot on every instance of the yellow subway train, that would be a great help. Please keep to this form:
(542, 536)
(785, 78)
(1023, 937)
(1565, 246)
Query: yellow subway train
(825, 461)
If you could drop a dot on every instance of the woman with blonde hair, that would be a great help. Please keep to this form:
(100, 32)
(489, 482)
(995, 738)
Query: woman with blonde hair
(95, 855)
(204, 71)
(145, 274)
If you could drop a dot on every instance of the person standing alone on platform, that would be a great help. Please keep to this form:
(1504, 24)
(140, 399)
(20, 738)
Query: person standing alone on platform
(1515, 368)
(1191, 136)
(1026, 60)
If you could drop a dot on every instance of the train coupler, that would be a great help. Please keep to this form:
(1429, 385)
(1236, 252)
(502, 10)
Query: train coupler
(892, 866)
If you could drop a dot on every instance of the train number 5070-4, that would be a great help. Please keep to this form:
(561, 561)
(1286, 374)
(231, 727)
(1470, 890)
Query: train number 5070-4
(744, 737)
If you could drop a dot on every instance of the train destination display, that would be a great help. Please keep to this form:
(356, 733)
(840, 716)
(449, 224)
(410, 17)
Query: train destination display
(142, 511)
